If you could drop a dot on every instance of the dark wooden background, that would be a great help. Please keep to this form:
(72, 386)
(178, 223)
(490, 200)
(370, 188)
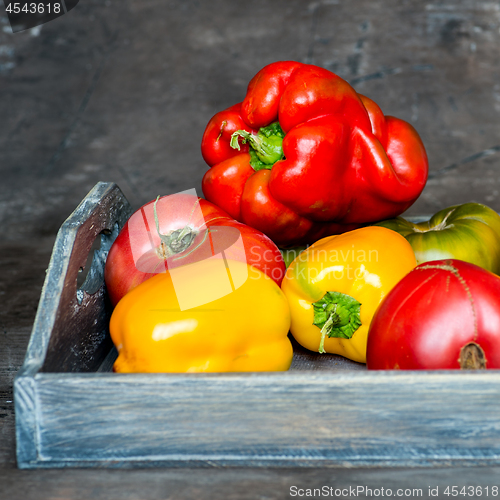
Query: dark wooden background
(121, 90)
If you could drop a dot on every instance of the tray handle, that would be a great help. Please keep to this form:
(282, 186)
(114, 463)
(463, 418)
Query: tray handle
(70, 332)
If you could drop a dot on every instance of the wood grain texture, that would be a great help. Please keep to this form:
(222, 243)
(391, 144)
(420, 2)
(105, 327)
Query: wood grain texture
(281, 419)
(239, 483)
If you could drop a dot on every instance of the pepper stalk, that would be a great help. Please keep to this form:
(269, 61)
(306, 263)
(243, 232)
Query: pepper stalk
(337, 315)
(265, 146)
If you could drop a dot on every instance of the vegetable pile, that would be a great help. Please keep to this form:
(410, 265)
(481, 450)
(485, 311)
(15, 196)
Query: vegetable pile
(308, 176)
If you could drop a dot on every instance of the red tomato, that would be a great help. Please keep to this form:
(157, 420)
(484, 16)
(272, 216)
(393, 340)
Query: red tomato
(444, 314)
(185, 230)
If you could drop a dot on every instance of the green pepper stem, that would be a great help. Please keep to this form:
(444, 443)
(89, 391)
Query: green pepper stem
(265, 146)
(337, 315)
(253, 139)
(324, 332)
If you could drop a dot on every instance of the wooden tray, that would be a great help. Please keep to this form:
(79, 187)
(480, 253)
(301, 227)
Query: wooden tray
(72, 411)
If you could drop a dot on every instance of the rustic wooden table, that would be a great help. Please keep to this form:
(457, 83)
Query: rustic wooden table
(121, 91)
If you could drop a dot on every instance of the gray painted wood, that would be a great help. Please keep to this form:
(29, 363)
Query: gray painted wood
(70, 328)
(291, 419)
(326, 411)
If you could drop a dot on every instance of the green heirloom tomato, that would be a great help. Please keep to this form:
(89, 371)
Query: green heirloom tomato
(469, 232)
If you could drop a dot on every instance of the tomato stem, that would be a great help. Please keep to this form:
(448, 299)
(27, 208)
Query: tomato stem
(196, 247)
(176, 241)
(425, 227)
(472, 357)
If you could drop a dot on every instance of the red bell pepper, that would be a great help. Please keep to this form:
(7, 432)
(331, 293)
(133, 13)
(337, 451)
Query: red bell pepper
(304, 156)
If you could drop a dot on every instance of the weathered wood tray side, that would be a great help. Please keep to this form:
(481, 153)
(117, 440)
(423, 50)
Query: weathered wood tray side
(70, 332)
(326, 411)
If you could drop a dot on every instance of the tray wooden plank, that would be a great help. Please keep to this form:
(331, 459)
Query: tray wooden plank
(339, 418)
(326, 411)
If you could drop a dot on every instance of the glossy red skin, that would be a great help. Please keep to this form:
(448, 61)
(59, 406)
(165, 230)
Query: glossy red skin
(215, 142)
(346, 164)
(432, 313)
(121, 273)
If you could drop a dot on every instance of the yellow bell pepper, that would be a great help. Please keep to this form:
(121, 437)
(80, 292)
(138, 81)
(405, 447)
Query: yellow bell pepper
(195, 319)
(335, 285)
